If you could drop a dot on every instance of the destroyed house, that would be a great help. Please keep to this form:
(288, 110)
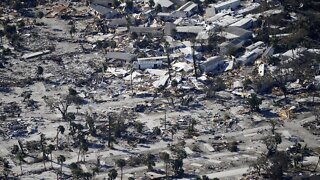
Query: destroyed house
(239, 32)
(203, 36)
(150, 62)
(56, 10)
(234, 44)
(122, 57)
(171, 16)
(249, 57)
(254, 46)
(146, 30)
(268, 52)
(190, 29)
(212, 64)
(117, 22)
(105, 3)
(165, 4)
(244, 23)
(103, 12)
(179, 2)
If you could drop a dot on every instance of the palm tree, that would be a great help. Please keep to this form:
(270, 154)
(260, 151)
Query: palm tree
(193, 122)
(76, 171)
(112, 174)
(72, 30)
(6, 168)
(165, 157)
(49, 150)
(121, 163)
(90, 123)
(61, 130)
(128, 24)
(83, 143)
(39, 71)
(165, 118)
(149, 161)
(61, 159)
(220, 29)
(1, 35)
(173, 130)
(195, 66)
(20, 157)
(43, 149)
(166, 47)
(131, 79)
(151, 3)
(273, 123)
(111, 118)
(96, 168)
(84, 150)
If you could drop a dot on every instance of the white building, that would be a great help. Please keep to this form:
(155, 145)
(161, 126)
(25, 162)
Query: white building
(255, 45)
(212, 64)
(210, 11)
(231, 4)
(250, 57)
(244, 23)
(262, 69)
(190, 8)
(165, 4)
(150, 62)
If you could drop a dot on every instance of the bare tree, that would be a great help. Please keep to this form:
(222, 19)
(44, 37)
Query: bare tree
(61, 104)
(60, 129)
(61, 159)
(121, 163)
(273, 123)
(194, 59)
(165, 157)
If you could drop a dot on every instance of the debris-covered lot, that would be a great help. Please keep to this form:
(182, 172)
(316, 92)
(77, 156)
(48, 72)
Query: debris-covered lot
(159, 89)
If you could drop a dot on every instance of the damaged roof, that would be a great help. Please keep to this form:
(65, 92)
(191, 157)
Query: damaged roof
(121, 56)
(102, 10)
(164, 3)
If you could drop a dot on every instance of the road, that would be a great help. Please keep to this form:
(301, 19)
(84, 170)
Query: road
(228, 173)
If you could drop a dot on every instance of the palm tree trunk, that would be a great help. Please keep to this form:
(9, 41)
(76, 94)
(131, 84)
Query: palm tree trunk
(285, 97)
(317, 165)
(51, 159)
(109, 133)
(21, 167)
(166, 171)
(79, 154)
(57, 139)
(165, 119)
(121, 173)
(44, 163)
(131, 83)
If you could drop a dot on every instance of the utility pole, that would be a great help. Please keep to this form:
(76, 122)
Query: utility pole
(165, 118)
